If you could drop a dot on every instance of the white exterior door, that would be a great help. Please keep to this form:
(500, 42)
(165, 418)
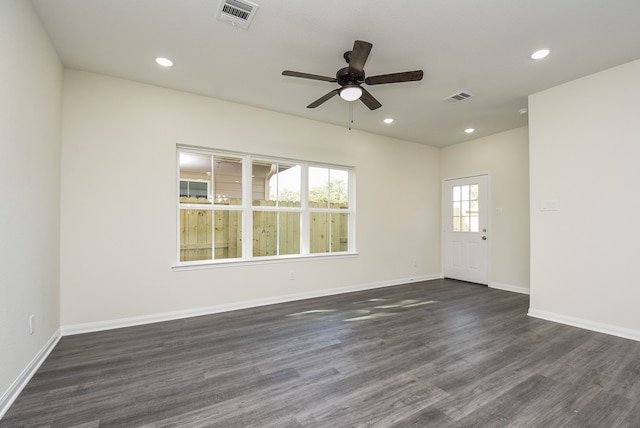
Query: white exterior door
(465, 215)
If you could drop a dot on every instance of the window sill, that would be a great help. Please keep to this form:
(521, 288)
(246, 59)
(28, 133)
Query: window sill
(209, 264)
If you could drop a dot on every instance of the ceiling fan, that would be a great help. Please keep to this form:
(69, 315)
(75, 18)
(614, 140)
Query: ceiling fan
(352, 77)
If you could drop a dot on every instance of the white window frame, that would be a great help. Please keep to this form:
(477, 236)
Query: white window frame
(248, 209)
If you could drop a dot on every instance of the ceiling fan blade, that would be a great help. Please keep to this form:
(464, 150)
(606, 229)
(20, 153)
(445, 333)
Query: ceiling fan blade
(309, 76)
(359, 55)
(324, 98)
(407, 76)
(368, 100)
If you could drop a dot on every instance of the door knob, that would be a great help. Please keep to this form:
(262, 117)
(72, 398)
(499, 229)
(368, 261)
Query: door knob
(484, 238)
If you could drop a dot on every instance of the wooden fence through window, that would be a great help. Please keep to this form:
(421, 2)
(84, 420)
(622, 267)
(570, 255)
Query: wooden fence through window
(329, 232)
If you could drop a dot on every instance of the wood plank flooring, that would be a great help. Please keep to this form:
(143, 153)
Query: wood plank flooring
(433, 354)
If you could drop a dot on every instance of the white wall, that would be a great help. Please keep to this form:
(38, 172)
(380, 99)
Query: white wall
(585, 154)
(118, 201)
(505, 156)
(30, 110)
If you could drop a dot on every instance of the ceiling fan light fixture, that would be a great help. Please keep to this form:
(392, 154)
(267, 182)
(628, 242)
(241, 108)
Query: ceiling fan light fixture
(351, 93)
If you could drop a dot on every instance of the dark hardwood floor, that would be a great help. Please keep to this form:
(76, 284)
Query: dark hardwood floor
(434, 354)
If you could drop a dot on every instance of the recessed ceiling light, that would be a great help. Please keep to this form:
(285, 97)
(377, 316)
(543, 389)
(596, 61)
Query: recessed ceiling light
(469, 130)
(388, 120)
(541, 53)
(165, 62)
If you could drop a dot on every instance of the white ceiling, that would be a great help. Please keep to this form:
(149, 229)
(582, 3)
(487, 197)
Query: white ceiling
(478, 46)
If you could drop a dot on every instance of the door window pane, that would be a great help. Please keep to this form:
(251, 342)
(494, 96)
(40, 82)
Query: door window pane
(474, 223)
(456, 194)
(464, 190)
(456, 224)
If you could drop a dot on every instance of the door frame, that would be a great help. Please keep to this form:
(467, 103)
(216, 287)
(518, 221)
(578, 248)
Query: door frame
(489, 233)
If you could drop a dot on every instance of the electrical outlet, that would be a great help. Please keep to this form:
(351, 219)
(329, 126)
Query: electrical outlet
(31, 326)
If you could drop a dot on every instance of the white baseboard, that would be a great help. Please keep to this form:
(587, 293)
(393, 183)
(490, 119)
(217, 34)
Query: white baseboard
(612, 330)
(18, 385)
(507, 287)
(69, 330)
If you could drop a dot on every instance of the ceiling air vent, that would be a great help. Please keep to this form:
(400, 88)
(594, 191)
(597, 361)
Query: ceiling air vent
(456, 98)
(237, 12)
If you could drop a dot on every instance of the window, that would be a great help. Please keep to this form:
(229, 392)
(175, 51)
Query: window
(210, 222)
(465, 208)
(240, 207)
(329, 205)
(277, 208)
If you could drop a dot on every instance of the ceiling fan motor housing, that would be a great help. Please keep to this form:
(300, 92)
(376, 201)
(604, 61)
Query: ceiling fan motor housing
(346, 79)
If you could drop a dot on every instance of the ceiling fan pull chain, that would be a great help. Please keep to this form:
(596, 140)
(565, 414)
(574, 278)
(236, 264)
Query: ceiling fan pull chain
(350, 115)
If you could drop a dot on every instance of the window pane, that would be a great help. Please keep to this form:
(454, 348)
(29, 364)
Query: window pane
(338, 188)
(276, 233)
(288, 185)
(474, 223)
(195, 178)
(473, 192)
(227, 234)
(196, 229)
(464, 224)
(276, 182)
(261, 172)
(456, 224)
(465, 193)
(227, 180)
(195, 235)
(456, 209)
(320, 228)
(318, 187)
(339, 232)
(464, 208)
(456, 193)
(265, 236)
(289, 233)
